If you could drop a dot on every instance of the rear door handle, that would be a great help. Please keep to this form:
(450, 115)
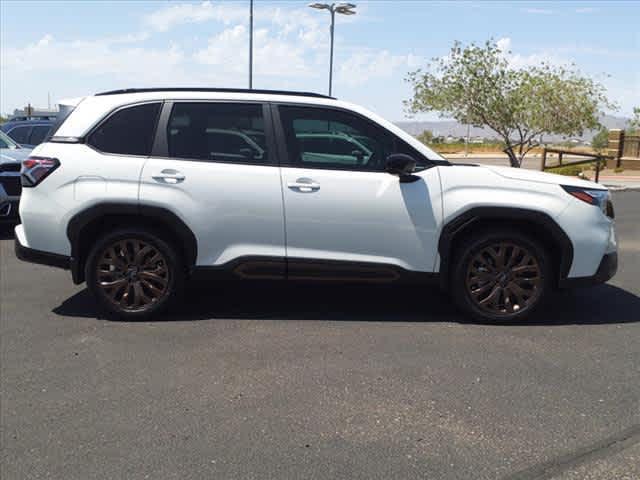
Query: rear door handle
(304, 185)
(170, 176)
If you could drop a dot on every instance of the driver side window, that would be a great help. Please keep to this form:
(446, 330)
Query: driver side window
(333, 139)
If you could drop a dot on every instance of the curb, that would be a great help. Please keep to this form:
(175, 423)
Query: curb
(622, 188)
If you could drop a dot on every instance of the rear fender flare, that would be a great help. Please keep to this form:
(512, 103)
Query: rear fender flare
(158, 215)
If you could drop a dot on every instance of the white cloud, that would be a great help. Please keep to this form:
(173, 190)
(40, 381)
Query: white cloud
(274, 54)
(166, 18)
(586, 10)
(365, 65)
(504, 44)
(93, 57)
(518, 60)
(44, 41)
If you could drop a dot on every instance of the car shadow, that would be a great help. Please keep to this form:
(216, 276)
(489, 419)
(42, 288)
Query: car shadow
(604, 304)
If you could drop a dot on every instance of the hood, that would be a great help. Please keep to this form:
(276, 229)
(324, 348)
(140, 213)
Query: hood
(10, 155)
(542, 177)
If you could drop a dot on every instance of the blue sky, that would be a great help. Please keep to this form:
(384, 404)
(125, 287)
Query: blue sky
(74, 48)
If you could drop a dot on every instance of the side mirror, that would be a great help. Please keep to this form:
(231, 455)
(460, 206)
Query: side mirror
(401, 165)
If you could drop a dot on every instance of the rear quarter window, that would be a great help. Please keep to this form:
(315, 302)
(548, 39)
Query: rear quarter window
(128, 131)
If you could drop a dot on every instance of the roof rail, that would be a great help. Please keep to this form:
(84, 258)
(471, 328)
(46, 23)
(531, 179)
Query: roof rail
(221, 90)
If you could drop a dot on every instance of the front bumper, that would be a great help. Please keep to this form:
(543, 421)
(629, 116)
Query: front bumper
(27, 254)
(606, 270)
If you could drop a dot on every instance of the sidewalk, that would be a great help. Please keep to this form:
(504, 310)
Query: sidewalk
(625, 180)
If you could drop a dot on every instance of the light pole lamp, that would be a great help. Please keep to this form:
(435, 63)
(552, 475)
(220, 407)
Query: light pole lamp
(333, 8)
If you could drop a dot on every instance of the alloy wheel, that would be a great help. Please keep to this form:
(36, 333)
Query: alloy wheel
(133, 275)
(503, 279)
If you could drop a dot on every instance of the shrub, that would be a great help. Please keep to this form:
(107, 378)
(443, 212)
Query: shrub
(568, 170)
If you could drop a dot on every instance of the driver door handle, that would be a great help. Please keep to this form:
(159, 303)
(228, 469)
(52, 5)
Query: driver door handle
(169, 175)
(304, 185)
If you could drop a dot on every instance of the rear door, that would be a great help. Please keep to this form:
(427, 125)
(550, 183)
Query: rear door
(215, 167)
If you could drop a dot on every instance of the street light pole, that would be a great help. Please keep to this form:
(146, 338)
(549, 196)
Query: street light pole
(332, 28)
(250, 44)
(333, 8)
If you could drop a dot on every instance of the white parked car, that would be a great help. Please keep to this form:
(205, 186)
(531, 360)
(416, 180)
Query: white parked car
(139, 189)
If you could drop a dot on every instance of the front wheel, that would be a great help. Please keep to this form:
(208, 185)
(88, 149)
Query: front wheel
(134, 273)
(500, 276)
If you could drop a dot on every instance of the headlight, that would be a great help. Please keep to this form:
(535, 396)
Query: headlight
(593, 196)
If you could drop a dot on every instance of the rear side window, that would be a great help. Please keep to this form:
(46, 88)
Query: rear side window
(38, 134)
(128, 131)
(20, 134)
(217, 132)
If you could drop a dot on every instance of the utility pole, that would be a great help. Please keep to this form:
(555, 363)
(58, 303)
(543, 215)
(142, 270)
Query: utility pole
(250, 44)
(333, 22)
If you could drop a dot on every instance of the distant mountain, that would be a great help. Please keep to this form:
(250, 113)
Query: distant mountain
(455, 129)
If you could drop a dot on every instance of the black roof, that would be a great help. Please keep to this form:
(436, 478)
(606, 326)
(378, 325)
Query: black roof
(221, 90)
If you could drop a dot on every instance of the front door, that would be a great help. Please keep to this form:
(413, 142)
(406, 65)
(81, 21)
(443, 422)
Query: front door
(340, 204)
(214, 167)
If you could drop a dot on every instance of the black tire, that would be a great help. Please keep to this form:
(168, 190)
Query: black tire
(140, 262)
(485, 286)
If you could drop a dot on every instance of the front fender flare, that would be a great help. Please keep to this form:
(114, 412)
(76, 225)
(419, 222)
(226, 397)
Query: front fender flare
(475, 216)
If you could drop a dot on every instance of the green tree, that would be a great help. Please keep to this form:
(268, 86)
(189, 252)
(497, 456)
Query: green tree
(476, 85)
(600, 141)
(426, 137)
(635, 121)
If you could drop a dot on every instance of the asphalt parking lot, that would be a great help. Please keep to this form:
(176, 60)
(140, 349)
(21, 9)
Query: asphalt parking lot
(262, 381)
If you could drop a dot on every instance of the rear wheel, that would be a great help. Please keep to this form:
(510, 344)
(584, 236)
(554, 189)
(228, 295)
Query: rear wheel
(500, 276)
(134, 273)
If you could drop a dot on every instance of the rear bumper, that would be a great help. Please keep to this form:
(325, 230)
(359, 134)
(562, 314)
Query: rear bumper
(606, 270)
(31, 255)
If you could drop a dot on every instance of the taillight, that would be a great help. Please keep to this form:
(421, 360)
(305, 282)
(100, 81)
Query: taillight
(36, 169)
(592, 196)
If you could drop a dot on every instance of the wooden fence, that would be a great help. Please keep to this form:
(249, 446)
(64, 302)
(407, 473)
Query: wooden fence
(623, 150)
(583, 159)
(631, 146)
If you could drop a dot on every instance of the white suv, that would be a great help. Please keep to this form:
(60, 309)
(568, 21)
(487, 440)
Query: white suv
(139, 189)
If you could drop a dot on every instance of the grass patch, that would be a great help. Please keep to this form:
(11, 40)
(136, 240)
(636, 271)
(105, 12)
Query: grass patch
(569, 170)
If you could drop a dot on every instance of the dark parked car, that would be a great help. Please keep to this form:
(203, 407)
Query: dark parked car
(27, 133)
(11, 157)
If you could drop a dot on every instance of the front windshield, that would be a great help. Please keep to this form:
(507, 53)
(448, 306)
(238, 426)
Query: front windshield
(6, 142)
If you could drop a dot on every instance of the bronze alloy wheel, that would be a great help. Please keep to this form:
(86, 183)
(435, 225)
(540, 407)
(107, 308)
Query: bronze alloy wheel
(504, 278)
(132, 274)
